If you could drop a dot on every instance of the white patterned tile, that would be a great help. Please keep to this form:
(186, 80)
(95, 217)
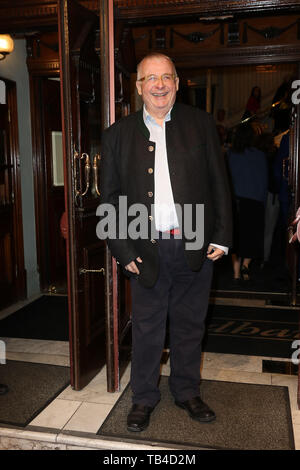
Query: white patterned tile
(36, 346)
(234, 376)
(39, 358)
(232, 362)
(96, 390)
(100, 395)
(57, 414)
(88, 417)
(297, 436)
(296, 415)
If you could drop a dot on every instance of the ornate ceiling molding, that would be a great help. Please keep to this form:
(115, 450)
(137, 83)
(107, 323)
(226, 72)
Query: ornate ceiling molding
(134, 9)
(28, 14)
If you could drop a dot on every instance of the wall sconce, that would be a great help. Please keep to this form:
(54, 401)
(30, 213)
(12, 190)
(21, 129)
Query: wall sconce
(6, 45)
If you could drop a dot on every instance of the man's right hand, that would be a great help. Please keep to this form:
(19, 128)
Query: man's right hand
(132, 267)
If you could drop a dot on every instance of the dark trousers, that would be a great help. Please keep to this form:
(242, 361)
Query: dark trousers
(183, 295)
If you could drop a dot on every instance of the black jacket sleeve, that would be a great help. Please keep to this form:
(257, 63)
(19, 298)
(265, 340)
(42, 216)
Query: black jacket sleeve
(110, 191)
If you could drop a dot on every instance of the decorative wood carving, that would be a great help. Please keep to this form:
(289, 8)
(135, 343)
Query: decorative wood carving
(270, 32)
(195, 46)
(160, 38)
(233, 33)
(156, 38)
(196, 36)
(42, 53)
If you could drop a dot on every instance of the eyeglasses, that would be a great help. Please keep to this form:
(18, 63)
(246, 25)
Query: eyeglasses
(165, 77)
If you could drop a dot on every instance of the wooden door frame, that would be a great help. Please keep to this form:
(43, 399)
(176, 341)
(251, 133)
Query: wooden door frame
(20, 287)
(38, 158)
(108, 118)
(39, 68)
(224, 57)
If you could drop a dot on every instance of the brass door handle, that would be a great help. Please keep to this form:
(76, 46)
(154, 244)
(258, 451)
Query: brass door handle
(75, 158)
(95, 171)
(87, 169)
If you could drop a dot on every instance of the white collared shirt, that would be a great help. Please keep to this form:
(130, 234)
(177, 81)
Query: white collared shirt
(165, 215)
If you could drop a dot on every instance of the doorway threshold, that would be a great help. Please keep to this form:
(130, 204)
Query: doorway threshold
(237, 302)
(274, 298)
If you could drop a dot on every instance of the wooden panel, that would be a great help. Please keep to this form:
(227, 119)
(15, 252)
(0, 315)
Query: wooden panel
(49, 199)
(12, 273)
(6, 254)
(55, 268)
(81, 121)
(94, 286)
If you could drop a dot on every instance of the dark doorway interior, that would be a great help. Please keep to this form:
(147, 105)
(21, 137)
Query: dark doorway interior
(223, 92)
(50, 190)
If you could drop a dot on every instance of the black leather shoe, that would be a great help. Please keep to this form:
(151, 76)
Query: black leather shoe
(138, 417)
(197, 409)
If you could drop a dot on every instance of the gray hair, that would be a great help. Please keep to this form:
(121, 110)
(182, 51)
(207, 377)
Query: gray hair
(155, 55)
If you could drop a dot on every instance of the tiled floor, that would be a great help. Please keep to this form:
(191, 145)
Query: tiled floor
(73, 418)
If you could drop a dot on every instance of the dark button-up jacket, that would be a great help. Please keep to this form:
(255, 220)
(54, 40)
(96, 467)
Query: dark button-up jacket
(197, 174)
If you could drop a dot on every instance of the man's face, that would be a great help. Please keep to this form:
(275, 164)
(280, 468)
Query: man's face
(160, 96)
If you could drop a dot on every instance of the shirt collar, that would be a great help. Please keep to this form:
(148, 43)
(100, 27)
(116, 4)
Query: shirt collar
(148, 118)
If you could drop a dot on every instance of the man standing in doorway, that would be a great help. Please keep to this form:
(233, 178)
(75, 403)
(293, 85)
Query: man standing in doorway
(166, 157)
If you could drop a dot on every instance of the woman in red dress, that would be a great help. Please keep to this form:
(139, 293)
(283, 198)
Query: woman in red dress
(253, 103)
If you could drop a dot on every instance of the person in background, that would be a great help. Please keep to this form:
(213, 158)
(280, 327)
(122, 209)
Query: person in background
(265, 143)
(281, 107)
(249, 174)
(253, 103)
(281, 178)
(221, 129)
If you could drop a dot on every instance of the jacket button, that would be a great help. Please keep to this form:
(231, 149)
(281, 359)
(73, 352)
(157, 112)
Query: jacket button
(150, 148)
(153, 241)
(150, 194)
(150, 217)
(150, 171)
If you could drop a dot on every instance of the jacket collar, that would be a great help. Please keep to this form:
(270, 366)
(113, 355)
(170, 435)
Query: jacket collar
(142, 126)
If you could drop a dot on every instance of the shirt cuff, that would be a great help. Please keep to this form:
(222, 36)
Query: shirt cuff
(224, 248)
